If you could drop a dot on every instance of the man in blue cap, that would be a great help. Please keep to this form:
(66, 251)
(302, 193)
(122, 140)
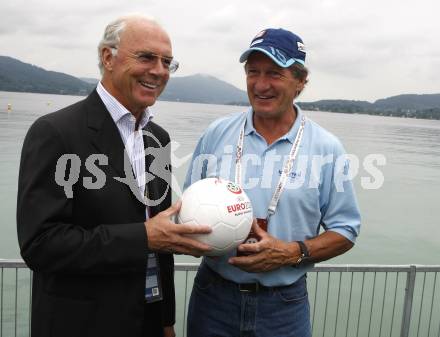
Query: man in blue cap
(295, 174)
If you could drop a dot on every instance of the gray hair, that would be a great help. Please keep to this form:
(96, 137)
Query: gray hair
(112, 35)
(301, 73)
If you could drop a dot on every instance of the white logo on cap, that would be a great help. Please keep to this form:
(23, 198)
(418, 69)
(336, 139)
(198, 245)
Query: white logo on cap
(301, 46)
(256, 41)
(260, 34)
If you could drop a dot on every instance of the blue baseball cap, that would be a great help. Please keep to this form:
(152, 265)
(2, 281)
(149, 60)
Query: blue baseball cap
(282, 46)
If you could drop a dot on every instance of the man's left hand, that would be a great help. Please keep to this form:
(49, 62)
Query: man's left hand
(267, 254)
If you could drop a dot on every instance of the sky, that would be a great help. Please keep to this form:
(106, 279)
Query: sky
(356, 49)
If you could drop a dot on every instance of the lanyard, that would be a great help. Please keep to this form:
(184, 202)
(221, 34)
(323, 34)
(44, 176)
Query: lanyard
(286, 169)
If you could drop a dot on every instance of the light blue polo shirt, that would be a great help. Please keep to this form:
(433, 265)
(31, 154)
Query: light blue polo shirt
(318, 191)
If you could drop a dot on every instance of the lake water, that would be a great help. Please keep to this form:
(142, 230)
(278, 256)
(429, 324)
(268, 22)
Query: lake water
(399, 220)
(400, 224)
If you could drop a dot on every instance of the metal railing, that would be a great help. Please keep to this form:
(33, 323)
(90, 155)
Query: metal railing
(345, 300)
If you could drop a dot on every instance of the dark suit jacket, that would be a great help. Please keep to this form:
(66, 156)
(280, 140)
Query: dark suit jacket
(89, 252)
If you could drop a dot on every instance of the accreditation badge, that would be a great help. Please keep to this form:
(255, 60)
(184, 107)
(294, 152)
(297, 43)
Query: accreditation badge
(153, 288)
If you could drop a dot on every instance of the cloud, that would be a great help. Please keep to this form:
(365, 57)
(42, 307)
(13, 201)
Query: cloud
(357, 49)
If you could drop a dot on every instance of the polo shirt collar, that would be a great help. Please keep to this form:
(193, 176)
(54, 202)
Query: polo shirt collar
(289, 136)
(249, 126)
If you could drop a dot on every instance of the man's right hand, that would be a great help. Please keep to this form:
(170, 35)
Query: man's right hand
(166, 236)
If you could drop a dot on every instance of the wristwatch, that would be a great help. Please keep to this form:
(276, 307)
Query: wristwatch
(305, 257)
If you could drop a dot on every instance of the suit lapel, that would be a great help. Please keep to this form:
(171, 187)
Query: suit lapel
(157, 168)
(151, 189)
(104, 133)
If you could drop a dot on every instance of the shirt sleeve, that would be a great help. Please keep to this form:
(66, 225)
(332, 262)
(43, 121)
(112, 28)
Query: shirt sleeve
(339, 207)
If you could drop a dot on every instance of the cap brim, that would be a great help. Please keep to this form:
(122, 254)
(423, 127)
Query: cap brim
(286, 64)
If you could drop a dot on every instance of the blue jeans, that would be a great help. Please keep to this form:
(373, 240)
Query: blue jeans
(218, 308)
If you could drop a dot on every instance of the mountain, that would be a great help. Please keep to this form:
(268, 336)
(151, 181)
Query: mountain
(23, 77)
(339, 105)
(412, 102)
(202, 88)
(90, 80)
(409, 105)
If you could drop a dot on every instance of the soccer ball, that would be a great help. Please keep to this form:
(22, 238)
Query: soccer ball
(224, 206)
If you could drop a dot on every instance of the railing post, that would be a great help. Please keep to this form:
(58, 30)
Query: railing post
(407, 304)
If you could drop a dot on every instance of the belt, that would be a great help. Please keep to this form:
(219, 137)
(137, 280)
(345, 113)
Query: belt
(250, 287)
(242, 287)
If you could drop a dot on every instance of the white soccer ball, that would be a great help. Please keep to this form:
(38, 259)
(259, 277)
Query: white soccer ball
(224, 206)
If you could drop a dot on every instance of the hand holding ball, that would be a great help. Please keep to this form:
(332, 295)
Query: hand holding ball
(224, 206)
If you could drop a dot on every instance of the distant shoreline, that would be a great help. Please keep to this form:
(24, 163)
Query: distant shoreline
(429, 114)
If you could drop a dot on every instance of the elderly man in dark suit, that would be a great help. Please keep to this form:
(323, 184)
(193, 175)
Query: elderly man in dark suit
(93, 217)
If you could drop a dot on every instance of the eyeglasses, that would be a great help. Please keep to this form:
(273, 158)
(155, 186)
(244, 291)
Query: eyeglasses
(147, 58)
